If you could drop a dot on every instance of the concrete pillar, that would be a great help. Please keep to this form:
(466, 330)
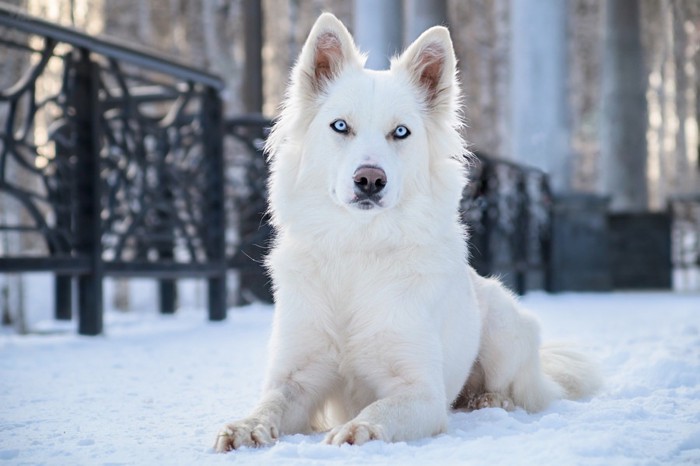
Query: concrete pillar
(378, 30)
(420, 15)
(540, 122)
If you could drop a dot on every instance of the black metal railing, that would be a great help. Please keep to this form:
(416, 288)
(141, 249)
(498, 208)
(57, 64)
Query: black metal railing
(685, 241)
(508, 208)
(111, 163)
(246, 193)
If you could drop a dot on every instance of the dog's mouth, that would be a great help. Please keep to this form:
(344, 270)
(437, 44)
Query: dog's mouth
(366, 202)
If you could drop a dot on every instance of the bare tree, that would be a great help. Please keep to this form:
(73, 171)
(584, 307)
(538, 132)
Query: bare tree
(585, 33)
(252, 86)
(481, 34)
(287, 23)
(670, 41)
(685, 74)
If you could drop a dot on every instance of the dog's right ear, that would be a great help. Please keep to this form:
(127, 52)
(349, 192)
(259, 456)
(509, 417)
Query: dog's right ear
(327, 51)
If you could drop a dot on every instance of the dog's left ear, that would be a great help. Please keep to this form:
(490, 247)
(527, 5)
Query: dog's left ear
(327, 51)
(431, 63)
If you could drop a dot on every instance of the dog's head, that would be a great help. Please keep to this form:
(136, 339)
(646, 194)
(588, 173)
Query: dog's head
(366, 140)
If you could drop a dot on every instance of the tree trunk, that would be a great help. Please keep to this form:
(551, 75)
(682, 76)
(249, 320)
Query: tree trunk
(253, 76)
(624, 109)
(686, 139)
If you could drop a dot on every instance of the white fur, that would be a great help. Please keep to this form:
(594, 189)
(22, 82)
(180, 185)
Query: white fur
(379, 320)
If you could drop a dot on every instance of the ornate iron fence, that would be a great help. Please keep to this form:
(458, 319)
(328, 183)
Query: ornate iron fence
(117, 170)
(246, 194)
(685, 241)
(508, 208)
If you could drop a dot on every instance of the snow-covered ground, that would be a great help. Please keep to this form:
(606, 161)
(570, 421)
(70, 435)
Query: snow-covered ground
(156, 389)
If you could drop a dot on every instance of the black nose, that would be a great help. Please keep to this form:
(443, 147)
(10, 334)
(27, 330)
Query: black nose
(369, 180)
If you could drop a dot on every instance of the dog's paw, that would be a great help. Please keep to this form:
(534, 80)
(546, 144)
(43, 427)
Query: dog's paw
(355, 433)
(490, 400)
(246, 433)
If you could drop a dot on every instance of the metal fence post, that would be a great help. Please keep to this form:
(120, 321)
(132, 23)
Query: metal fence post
(215, 235)
(86, 116)
(545, 238)
(63, 296)
(65, 195)
(521, 238)
(167, 292)
(167, 287)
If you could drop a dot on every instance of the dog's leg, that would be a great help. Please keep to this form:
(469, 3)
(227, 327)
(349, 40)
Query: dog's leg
(416, 413)
(474, 395)
(514, 364)
(404, 368)
(286, 407)
(299, 376)
(509, 352)
(473, 401)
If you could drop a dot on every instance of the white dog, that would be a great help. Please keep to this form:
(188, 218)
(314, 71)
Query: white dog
(380, 324)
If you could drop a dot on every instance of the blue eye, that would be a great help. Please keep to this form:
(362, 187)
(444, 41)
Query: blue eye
(340, 126)
(401, 132)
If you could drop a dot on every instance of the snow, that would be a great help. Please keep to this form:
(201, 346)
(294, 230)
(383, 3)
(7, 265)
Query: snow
(156, 389)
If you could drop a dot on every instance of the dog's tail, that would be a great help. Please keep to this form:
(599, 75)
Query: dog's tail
(578, 375)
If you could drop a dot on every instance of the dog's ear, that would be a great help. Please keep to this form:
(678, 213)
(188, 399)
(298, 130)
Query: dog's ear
(327, 51)
(431, 64)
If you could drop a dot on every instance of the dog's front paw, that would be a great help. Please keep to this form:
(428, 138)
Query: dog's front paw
(489, 400)
(356, 433)
(246, 433)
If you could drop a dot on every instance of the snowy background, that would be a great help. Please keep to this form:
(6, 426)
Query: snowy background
(156, 389)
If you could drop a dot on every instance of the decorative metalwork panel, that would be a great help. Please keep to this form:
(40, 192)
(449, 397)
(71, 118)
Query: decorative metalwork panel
(508, 210)
(36, 170)
(154, 169)
(246, 197)
(246, 180)
(150, 136)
